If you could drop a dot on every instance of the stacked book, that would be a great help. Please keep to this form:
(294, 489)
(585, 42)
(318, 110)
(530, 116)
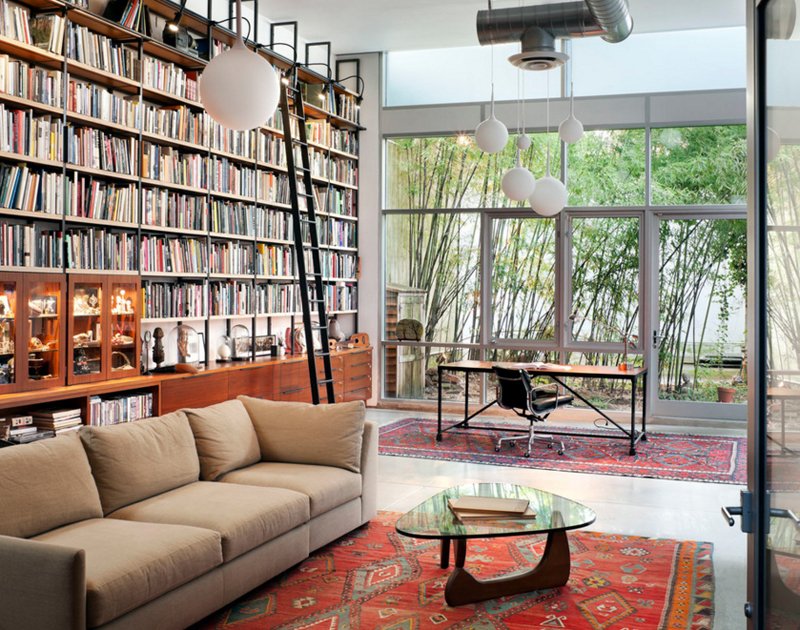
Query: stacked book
(23, 431)
(59, 421)
(472, 509)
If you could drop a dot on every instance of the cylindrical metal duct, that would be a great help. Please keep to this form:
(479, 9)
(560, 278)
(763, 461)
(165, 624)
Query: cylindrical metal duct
(609, 19)
(613, 17)
(566, 19)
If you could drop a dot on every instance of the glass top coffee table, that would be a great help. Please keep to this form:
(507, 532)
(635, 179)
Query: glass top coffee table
(555, 515)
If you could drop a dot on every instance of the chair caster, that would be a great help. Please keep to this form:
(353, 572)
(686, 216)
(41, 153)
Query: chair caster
(528, 454)
(549, 445)
(512, 443)
(496, 449)
(560, 451)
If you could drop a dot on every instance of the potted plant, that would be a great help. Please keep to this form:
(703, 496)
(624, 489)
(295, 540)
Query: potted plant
(725, 394)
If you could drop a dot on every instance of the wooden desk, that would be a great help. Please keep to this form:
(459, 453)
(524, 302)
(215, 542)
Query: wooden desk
(557, 373)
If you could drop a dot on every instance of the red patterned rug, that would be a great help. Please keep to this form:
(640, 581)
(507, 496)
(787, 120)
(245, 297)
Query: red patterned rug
(663, 456)
(374, 578)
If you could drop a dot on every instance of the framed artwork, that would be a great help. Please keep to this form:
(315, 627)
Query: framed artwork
(264, 343)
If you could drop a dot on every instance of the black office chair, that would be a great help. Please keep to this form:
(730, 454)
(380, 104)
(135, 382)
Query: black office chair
(516, 392)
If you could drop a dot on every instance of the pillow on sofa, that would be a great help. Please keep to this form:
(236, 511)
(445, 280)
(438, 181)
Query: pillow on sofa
(225, 437)
(138, 460)
(300, 433)
(45, 485)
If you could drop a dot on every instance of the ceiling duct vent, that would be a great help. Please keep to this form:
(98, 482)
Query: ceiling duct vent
(538, 27)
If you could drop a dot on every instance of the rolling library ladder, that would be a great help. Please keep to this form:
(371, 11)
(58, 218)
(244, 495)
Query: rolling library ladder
(302, 202)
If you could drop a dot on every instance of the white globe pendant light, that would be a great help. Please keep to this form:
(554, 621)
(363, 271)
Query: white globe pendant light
(571, 129)
(491, 135)
(518, 183)
(550, 195)
(239, 88)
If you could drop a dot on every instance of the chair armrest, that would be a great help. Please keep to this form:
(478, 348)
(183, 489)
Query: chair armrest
(550, 388)
(41, 585)
(369, 471)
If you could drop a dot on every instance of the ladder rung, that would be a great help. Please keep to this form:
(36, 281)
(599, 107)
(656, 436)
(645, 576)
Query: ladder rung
(299, 142)
(322, 354)
(314, 273)
(324, 381)
(298, 116)
(319, 327)
(316, 300)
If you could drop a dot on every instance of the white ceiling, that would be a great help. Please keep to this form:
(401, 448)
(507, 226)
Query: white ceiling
(384, 25)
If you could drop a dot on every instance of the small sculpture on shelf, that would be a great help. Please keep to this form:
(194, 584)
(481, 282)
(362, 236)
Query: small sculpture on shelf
(158, 347)
(224, 349)
(335, 331)
(242, 343)
(81, 362)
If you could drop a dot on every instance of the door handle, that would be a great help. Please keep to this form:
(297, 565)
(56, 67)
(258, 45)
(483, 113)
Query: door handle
(744, 509)
(729, 512)
(781, 513)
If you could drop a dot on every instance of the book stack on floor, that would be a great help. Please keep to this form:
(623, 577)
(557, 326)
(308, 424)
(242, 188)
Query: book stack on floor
(23, 430)
(476, 509)
(58, 421)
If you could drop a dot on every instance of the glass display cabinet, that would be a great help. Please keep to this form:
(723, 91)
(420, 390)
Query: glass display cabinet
(124, 296)
(9, 331)
(86, 332)
(42, 365)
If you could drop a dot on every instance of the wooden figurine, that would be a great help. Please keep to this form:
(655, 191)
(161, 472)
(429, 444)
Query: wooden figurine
(158, 347)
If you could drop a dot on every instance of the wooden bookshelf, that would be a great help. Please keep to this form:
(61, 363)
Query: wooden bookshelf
(103, 194)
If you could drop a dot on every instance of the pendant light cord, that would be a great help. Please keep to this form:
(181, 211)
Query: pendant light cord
(547, 129)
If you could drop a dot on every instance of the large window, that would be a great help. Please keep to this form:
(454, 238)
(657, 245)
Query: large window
(489, 279)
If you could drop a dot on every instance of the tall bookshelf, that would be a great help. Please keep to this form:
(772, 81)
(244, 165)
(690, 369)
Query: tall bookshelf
(110, 166)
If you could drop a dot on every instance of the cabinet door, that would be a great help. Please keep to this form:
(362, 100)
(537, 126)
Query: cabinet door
(11, 327)
(87, 329)
(124, 297)
(43, 335)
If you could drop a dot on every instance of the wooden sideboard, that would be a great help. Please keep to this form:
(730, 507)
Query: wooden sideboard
(284, 378)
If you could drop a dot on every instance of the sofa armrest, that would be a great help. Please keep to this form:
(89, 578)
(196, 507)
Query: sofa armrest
(369, 471)
(41, 585)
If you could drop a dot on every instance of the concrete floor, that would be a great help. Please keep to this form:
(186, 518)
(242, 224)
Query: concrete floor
(635, 506)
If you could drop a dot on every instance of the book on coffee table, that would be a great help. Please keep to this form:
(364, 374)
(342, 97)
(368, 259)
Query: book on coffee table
(489, 512)
(489, 504)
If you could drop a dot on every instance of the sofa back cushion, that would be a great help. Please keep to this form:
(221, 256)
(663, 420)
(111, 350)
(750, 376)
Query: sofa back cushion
(45, 485)
(136, 461)
(300, 433)
(225, 438)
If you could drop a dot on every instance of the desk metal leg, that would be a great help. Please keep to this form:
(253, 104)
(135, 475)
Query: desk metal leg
(644, 407)
(465, 424)
(439, 423)
(633, 416)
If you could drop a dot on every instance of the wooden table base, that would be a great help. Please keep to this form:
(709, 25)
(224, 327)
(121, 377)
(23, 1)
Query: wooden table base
(462, 588)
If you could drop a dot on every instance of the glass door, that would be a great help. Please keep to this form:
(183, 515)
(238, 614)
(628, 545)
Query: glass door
(9, 338)
(86, 329)
(124, 327)
(44, 341)
(698, 345)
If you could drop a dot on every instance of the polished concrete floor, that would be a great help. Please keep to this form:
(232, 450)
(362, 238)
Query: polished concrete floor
(641, 507)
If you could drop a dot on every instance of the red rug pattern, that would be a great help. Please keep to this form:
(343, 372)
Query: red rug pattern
(374, 578)
(663, 456)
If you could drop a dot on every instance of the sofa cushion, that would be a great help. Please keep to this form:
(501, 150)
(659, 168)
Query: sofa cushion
(244, 516)
(129, 564)
(45, 485)
(326, 487)
(225, 438)
(300, 433)
(138, 460)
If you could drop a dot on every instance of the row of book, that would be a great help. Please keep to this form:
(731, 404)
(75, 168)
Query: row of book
(171, 166)
(230, 141)
(27, 134)
(47, 32)
(29, 246)
(101, 52)
(341, 297)
(231, 178)
(15, 22)
(232, 217)
(336, 264)
(337, 169)
(347, 107)
(230, 298)
(100, 250)
(32, 191)
(58, 421)
(167, 77)
(168, 208)
(230, 258)
(93, 100)
(273, 224)
(337, 233)
(95, 199)
(271, 149)
(277, 298)
(336, 201)
(21, 79)
(160, 254)
(166, 300)
(97, 149)
(322, 132)
(177, 122)
(274, 260)
(119, 409)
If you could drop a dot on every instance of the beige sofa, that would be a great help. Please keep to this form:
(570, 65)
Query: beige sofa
(158, 523)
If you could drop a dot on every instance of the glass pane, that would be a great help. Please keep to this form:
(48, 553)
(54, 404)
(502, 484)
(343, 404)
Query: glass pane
(609, 394)
(44, 317)
(783, 314)
(123, 327)
(8, 332)
(452, 172)
(523, 278)
(699, 165)
(411, 373)
(87, 329)
(605, 279)
(702, 283)
(663, 61)
(433, 277)
(607, 168)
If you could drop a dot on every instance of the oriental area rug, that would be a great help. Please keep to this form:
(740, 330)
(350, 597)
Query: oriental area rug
(374, 578)
(664, 455)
